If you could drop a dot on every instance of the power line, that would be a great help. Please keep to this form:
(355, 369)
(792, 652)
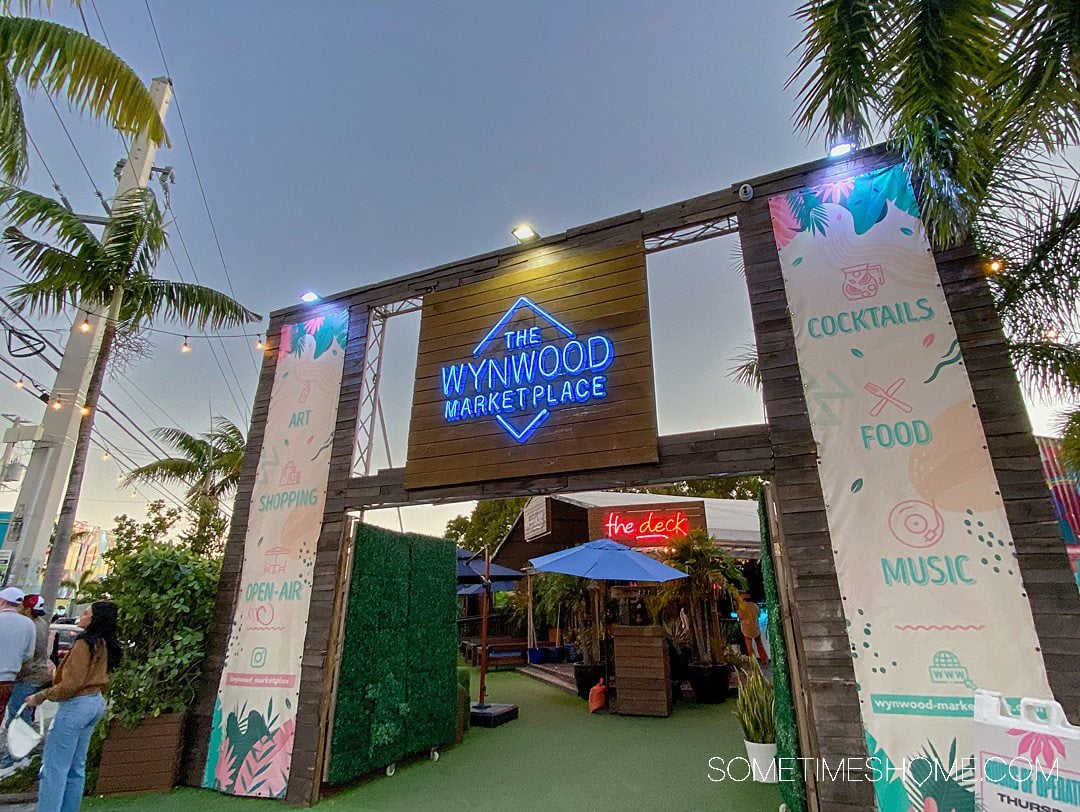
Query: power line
(194, 163)
(241, 411)
(78, 154)
(25, 378)
(104, 33)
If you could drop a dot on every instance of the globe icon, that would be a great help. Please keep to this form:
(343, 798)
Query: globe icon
(946, 659)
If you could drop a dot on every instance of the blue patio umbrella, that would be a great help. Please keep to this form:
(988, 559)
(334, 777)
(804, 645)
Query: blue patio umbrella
(470, 574)
(606, 560)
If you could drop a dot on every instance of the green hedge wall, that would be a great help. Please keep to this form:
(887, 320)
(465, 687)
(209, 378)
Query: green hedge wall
(397, 691)
(787, 732)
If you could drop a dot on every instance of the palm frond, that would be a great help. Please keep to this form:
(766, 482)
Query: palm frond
(747, 370)
(205, 307)
(1039, 286)
(936, 70)
(13, 155)
(65, 62)
(1041, 72)
(841, 40)
(170, 470)
(1069, 426)
(46, 215)
(135, 237)
(1047, 369)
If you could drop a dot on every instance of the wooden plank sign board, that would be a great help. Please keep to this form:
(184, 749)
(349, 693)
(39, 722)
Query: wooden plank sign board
(537, 372)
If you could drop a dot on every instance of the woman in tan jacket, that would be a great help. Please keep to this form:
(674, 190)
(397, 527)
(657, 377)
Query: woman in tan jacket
(77, 687)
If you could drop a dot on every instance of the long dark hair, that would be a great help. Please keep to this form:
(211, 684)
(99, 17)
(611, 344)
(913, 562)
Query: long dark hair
(102, 629)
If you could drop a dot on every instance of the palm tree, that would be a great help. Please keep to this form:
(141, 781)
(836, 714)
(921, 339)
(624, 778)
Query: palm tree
(61, 61)
(710, 572)
(114, 273)
(209, 464)
(979, 99)
(81, 588)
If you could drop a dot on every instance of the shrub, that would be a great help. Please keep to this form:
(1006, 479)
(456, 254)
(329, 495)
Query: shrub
(165, 596)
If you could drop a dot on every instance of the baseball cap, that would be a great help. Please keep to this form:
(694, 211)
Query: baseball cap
(12, 594)
(30, 601)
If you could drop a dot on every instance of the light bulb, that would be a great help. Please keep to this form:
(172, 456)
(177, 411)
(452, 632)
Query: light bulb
(19, 384)
(85, 326)
(57, 405)
(996, 265)
(259, 344)
(106, 456)
(185, 347)
(84, 411)
(1051, 334)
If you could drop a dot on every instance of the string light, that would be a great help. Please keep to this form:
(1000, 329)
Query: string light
(119, 477)
(57, 405)
(1051, 334)
(259, 344)
(185, 347)
(996, 265)
(85, 326)
(106, 456)
(84, 411)
(19, 384)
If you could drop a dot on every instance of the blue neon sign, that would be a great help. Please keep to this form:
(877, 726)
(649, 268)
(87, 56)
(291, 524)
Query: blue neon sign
(524, 376)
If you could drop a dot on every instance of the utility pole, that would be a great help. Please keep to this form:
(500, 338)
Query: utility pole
(50, 462)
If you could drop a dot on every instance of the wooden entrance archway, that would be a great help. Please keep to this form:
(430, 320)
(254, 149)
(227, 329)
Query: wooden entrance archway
(783, 450)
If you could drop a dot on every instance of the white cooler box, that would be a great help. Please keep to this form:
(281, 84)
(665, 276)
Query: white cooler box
(1028, 762)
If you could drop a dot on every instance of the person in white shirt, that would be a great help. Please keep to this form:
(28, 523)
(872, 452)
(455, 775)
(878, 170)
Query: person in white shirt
(18, 638)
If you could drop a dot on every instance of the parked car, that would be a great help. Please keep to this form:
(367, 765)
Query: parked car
(63, 638)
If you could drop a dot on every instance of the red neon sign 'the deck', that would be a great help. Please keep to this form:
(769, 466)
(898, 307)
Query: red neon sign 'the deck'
(654, 528)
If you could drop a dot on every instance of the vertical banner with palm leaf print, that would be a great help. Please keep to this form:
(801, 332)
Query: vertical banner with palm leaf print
(933, 599)
(255, 714)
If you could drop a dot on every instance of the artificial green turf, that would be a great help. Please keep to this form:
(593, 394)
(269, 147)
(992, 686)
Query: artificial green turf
(555, 756)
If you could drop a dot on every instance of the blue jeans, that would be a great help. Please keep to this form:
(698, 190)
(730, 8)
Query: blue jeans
(19, 692)
(63, 765)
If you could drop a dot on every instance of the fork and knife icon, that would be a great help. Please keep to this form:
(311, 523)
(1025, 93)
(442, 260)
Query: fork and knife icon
(886, 396)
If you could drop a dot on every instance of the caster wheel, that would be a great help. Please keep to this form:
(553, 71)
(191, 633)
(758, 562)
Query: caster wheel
(434, 754)
(390, 769)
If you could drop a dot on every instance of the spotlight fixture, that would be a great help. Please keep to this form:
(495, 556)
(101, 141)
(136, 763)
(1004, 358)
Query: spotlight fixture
(309, 297)
(185, 347)
(843, 144)
(524, 233)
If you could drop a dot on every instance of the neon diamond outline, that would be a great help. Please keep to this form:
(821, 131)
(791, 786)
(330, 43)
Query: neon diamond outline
(523, 435)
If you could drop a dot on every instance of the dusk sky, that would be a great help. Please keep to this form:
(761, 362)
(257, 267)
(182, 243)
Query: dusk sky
(340, 144)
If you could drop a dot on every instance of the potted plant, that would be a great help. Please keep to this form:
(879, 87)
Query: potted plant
(711, 574)
(755, 709)
(165, 592)
(590, 670)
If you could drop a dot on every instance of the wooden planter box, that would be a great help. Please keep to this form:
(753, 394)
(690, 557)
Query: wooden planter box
(145, 759)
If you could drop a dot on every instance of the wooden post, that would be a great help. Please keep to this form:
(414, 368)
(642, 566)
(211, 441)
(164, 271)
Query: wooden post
(484, 628)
